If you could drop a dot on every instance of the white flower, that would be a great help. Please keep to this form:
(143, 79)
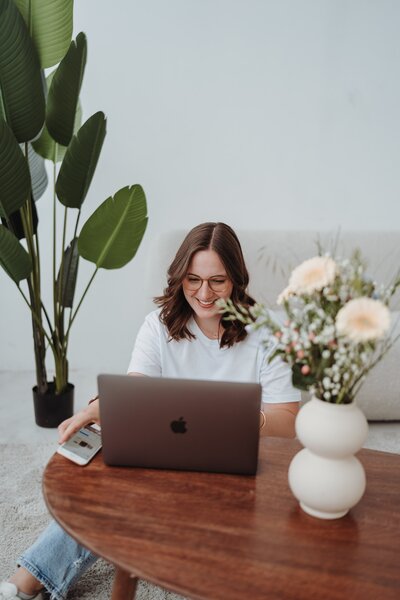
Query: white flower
(326, 382)
(363, 319)
(284, 295)
(312, 275)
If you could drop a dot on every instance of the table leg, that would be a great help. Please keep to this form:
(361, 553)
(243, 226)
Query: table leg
(124, 586)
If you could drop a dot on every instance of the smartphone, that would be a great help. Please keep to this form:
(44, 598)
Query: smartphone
(83, 445)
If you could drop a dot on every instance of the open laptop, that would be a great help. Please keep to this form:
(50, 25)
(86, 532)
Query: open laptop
(180, 424)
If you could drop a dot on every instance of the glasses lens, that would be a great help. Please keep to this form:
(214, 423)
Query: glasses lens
(195, 283)
(217, 285)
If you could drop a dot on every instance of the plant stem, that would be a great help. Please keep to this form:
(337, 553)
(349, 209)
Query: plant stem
(54, 241)
(60, 282)
(57, 334)
(72, 317)
(36, 317)
(47, 316)
(384, 351)
(33, 282)
(62, 256)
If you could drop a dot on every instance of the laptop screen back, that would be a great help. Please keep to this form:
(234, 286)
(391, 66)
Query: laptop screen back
(184, 424)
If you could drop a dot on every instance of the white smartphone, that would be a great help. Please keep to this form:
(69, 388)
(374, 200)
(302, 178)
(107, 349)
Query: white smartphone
(83, 445)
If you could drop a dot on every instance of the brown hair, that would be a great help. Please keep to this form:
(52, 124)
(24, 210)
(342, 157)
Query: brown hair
(175, 311)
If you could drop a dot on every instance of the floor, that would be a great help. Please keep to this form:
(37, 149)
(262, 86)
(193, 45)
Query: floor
(17, 423)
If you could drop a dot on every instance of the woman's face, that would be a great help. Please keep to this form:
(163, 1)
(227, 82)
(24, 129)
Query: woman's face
(206, 281)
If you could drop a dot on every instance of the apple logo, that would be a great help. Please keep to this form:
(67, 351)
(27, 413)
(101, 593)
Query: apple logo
(179, 426)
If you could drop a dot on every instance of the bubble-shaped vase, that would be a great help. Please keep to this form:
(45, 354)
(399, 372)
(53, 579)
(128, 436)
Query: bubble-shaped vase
(326, 477)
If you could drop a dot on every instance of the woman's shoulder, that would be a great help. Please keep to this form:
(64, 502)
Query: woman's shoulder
(152, 323)
(153, 316)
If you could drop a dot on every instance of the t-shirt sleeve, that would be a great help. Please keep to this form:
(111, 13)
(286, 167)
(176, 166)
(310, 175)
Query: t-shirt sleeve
(276, 380)
(146, 355)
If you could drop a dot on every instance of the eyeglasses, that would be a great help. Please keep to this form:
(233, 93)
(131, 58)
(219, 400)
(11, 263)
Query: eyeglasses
(216, 284)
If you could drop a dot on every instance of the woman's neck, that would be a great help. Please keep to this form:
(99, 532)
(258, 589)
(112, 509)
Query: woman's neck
(210, 327)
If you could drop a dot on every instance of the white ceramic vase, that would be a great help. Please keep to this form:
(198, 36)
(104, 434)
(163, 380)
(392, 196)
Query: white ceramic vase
(325, 476)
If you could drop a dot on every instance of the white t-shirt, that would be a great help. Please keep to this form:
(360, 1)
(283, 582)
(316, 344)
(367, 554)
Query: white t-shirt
(202, 358)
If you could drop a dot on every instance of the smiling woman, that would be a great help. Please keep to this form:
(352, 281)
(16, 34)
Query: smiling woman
(208, 266)
(202, 293)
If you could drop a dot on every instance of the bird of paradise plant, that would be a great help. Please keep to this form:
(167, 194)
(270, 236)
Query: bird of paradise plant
(40, 118)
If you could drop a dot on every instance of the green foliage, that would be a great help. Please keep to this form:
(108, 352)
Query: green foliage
(38, 173)
(63, 96)
(68, 276)
(22, 102)
(80, 162)
(15, 181)
(45, 146)
(111, 236)
(300, 381)
(14, 259)
(43, 19)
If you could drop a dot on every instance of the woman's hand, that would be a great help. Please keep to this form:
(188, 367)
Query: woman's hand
(90, 414)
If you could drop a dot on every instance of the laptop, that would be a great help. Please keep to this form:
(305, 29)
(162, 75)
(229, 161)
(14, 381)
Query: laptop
(182, 424)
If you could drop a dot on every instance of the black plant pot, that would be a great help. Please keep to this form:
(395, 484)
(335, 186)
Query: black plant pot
(51, 409)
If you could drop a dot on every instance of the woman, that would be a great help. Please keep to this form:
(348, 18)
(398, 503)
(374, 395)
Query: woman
(186, 337)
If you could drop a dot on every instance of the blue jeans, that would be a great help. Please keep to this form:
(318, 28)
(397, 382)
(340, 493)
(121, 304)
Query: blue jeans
(56, 560)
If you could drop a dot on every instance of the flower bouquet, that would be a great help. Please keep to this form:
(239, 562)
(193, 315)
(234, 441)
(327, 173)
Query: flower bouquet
(336, 328)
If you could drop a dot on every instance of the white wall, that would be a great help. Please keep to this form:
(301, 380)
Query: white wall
(281, 114)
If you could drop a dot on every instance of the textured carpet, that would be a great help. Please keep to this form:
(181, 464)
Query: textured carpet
(23, 515)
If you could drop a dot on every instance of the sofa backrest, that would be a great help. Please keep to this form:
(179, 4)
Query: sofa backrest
(270, 257)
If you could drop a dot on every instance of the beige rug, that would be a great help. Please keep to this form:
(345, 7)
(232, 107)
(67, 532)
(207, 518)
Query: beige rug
(23, 515)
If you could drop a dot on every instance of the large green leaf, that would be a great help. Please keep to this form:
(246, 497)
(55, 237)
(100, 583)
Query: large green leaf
(15, 182)
(45, 146)
(13, 257)
(22, 102)
(62, 99)
(80, 161)
(50, 26)
(69, 275)
(38, 173)
(111, 236)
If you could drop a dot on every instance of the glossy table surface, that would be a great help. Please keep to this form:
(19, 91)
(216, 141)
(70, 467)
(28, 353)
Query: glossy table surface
(211, 536)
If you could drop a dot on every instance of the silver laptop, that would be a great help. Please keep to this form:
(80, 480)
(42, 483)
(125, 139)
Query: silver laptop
(180, 424)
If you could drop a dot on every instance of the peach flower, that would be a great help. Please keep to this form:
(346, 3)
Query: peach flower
(363, 320)
(312, 275)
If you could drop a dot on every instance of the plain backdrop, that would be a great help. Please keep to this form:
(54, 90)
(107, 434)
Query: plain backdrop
(275, 114)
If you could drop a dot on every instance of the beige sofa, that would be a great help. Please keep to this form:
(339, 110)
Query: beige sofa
(271, 255)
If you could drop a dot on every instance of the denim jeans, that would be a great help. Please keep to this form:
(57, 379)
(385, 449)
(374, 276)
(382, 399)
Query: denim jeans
(56, 560)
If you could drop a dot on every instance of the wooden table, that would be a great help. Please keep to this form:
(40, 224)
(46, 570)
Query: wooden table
(211, 536)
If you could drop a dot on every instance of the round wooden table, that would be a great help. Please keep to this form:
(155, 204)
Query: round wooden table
(212, 536)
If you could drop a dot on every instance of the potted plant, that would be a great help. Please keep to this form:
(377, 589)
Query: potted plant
(41, 119)
(336, 328)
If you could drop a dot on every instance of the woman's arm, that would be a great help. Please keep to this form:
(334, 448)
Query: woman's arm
(280, 419)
